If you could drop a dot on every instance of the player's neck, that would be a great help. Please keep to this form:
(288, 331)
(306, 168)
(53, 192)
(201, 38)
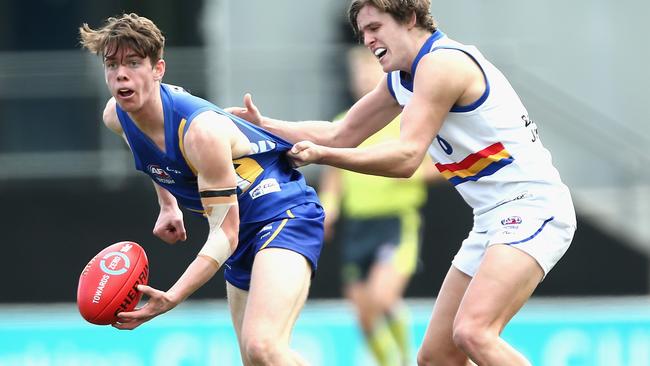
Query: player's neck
(420, 37)
(151, 116)
(413, 44)
(150, 119)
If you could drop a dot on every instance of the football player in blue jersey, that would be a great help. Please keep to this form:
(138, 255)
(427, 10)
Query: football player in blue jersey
(266, 224)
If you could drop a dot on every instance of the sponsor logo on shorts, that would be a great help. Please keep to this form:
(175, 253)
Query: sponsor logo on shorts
(512, 220)
(160, 174)
(266, 186)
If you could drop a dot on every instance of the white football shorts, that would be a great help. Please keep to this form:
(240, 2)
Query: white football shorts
(541, 224)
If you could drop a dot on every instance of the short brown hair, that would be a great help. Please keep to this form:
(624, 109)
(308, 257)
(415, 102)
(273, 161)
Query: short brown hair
(128, 30)
(400, 10)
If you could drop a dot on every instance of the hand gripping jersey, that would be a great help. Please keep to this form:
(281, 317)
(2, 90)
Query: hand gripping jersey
(489, 150)
(267, 184)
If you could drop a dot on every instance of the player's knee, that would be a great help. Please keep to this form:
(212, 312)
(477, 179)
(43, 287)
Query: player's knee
(382, 302)
(425, 359)
(261, 351)
(440, 357)
(470, 336)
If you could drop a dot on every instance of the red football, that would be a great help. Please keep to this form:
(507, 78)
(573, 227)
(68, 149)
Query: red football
(107, 285)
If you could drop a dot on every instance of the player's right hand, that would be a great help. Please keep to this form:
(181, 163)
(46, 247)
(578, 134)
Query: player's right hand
(249, 112)
(170, 227)
(159, 303)
(304, 153)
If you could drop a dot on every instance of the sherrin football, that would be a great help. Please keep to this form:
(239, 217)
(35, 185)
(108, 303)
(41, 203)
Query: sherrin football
(107, 285)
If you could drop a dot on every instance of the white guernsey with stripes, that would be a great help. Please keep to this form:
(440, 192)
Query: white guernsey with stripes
(489, 150)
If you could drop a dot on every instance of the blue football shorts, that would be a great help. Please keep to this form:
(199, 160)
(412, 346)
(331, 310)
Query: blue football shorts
(299, 229)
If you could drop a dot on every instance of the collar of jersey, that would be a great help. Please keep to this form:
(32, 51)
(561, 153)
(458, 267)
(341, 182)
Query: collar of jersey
(426, 47)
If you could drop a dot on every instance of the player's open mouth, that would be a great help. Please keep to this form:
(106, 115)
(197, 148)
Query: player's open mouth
(380, 52)
(125, 93)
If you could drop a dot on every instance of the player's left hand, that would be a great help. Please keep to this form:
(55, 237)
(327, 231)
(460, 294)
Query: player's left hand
(249, 112)
(158, 303)
(305, 152)
(169, 226)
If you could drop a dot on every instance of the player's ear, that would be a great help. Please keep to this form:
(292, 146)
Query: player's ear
(159, 70)
(413, 21)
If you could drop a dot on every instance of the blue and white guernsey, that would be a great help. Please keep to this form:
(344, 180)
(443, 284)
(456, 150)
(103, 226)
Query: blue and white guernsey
(267, 184)
(489, 150)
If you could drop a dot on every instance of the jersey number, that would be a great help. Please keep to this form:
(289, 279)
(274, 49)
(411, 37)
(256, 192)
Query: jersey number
(446, 147)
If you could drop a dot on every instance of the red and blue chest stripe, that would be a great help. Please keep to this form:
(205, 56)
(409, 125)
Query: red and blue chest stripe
(477, 165)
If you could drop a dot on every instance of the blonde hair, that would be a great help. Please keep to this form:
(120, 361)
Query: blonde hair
(131, 31)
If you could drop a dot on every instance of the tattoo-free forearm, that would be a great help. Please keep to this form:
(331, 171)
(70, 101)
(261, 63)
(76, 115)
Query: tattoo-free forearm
(391, 159)
(164, 197)
(320, 132)
(196, 275)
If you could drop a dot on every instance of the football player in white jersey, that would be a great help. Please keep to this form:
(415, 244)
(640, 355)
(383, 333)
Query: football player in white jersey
(457, 106)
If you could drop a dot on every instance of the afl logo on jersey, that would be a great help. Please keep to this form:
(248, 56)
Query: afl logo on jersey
(159, 174)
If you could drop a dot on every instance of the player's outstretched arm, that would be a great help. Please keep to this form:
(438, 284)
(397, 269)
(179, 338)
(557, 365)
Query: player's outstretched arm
(390, 159)
(324, 131)
(367, 116)
(196, 275)
(441, 81)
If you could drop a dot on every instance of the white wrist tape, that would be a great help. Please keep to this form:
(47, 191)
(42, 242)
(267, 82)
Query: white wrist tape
(217, 246)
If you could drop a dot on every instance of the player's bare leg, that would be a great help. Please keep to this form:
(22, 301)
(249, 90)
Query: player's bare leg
(492, 298)
(237, 303)
(438, 348)
(279, 286)
(384, 288)
(371, 303)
